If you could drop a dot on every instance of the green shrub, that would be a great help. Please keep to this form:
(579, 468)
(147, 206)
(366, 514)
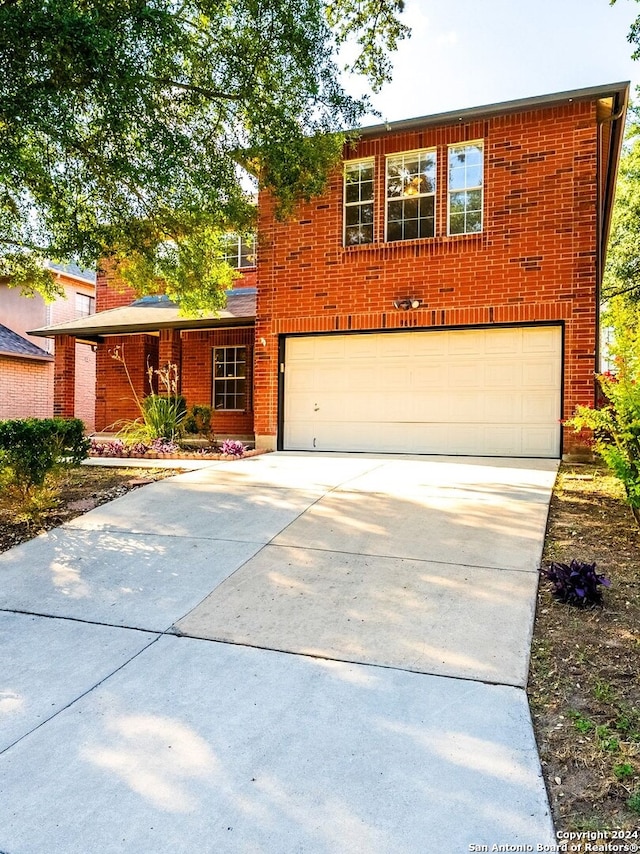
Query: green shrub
(163, 415)
(634, 802)
(30, 448)
(616, 425)
(198, 420)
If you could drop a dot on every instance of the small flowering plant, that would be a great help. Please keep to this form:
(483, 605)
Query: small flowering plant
(576, 583)
(232, 448)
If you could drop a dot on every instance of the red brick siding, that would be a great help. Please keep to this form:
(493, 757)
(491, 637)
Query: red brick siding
(64, 400)
(111, 291)
(26, 388)
(115, 400)
(197, 375)
(534, 261)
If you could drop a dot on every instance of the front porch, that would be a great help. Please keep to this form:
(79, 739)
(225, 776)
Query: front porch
(212, 355)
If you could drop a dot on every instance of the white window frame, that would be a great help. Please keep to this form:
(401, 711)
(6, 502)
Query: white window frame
(370, 161)
(433, 150)
(234, 259)
(480, 187)
(230, 378)
(85, 298)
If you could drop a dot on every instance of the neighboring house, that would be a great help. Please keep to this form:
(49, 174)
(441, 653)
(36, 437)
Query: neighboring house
(441, 297)
(27, 362)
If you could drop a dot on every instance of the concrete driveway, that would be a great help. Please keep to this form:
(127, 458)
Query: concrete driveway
(290, 653)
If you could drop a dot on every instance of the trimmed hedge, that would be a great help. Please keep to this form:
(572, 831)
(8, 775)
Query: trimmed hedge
(32, 447)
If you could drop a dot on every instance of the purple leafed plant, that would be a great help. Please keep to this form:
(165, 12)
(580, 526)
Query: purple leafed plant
(576, 583)
(232, 448)
(164, 446)
(116, 448)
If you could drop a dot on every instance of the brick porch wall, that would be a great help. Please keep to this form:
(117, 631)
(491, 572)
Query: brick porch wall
(115, 401)
(534, 261)
(197, 375)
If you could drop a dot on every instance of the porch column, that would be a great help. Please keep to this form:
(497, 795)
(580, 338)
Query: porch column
(170, 351)
(64, 377)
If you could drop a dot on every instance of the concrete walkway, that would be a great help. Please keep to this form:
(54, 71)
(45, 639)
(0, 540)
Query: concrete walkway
(291, 653)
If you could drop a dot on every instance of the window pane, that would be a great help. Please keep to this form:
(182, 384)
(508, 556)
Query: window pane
(352, 215)
(366, 234)
(457, 178)
(358, 202)
(473, 155)
(456, 224)
(474, 176)
(230, 370)
(474, 222)
(426, 206)
(366, 191)
(474, 200)
(457, 202)
(410, 209)
(394, 211)
(351, 193)
(394, 231)
(410, 229)
(411, 184)
(427, 227)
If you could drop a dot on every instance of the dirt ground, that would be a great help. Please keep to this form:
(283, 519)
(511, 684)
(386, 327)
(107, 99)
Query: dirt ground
(584, 687)
(72, 493)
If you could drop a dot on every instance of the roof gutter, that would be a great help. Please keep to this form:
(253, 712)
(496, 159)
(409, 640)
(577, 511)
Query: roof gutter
(502, 108)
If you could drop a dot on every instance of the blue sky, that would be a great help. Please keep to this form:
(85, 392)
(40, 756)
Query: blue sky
(466, 53)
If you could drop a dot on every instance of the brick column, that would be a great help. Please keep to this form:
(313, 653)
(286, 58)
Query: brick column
(64, 377)
(170, 351)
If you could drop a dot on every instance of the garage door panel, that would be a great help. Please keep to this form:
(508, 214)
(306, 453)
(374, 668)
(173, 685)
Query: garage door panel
(541, 408)
(427, 375)
(508, 343)
(488, 392)
(542, 339)
(540, 373)
(364, 347)
(502, 374)
(501, 408)
(540, 442)
(502, 439)
(433, 345)
(466, 343)
(301, 349)
(301, 378)
(464, 374)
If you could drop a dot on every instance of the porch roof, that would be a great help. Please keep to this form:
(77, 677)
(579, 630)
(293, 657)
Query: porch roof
(150, 315)
(16, 346)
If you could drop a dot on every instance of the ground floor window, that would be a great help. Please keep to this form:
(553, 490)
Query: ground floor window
(230, 378)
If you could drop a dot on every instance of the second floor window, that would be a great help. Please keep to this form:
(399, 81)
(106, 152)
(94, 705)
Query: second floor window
(239, 252)
(358, 202)
(85, 305)
(465, 188)
(411, 195)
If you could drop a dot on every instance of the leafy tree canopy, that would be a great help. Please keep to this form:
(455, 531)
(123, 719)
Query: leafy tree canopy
(622, 271)
(122, 123)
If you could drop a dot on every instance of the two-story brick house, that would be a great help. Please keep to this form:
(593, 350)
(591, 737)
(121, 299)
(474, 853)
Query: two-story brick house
(27, 363)
(441, 297)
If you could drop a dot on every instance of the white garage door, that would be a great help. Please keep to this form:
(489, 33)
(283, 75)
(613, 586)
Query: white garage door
(488, 392)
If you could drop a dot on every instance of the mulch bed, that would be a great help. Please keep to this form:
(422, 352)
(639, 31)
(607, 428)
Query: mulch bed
(584, 689)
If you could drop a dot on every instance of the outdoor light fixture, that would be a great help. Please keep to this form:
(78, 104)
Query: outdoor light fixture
(406, 303)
